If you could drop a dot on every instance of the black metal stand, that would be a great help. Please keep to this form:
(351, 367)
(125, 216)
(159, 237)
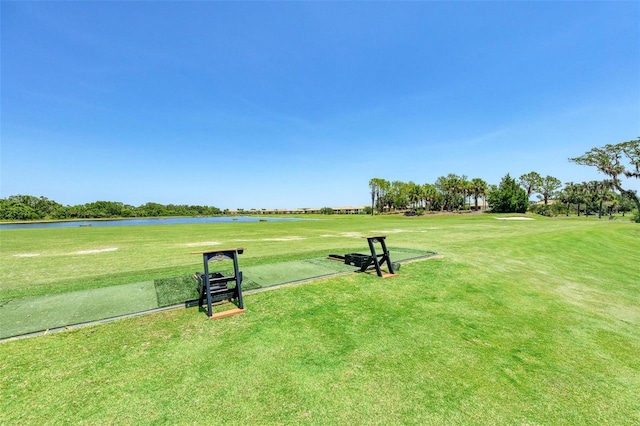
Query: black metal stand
(378, 259)
(214, 285)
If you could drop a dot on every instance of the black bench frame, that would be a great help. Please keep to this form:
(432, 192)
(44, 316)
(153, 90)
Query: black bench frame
(378, 259)
(214, 285)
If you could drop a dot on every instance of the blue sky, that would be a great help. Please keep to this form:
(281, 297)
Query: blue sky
(299, 104)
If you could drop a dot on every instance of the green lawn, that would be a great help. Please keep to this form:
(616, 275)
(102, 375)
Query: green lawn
(519, 322)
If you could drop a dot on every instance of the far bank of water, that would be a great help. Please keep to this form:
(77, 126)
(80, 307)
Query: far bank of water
(145, 221)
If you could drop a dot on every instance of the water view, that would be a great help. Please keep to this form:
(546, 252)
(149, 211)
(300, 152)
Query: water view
(145, 221)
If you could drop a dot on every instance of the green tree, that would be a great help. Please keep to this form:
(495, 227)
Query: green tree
(379, 190)
(399, 196)
(625, 205)
(548, 188)
(531, 182)
(602, 193)
(466, 189)
(479, 189)
(15, 210)
(450, 189)
(508, 197)
(153, 210)
(38, 207)
(568, 195)
(414, 194)
(617, 161)
(374, 187)
(429, 195)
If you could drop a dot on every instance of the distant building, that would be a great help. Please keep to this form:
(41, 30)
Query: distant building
(336, 210)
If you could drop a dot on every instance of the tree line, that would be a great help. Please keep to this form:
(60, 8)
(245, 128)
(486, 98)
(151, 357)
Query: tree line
(28, 207)
(448, 193)
(456, 192)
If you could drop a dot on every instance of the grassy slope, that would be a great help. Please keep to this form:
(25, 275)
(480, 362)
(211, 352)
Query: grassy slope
(520, 322)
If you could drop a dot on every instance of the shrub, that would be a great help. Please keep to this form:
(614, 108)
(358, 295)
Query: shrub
(508, 197)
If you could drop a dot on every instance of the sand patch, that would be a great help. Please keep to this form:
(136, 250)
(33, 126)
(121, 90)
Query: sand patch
(26, 255)
(284, 239)
(515, 218)
(203, 243)
(390, 231)
(103, 250)
(293, 238)
(352, 234)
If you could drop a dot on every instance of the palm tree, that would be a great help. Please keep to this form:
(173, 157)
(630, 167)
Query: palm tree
(399, 197)
(379, 188)
(566, 195)
(450, 187)
(580, 196)
(478, 189)
(429, 194)
(442, 187)
(384, 198)
(414, 193)
(455, 187)
(375, 191)
(465, 189)
(602, 192)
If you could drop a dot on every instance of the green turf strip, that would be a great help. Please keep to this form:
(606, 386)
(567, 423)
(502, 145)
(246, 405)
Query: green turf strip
(171, 291)
(47, 312)
(41, 313)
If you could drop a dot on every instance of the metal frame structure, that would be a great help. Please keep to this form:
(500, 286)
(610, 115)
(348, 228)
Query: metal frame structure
(378, 259)
(214, 285)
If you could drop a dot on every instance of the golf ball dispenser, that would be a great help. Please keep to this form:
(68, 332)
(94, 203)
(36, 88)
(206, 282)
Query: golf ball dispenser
(215, 286)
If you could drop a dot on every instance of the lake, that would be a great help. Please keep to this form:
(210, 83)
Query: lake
(146, 221)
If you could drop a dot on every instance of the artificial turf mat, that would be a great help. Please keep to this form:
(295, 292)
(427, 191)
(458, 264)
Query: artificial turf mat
(24, 316)
(60, 310)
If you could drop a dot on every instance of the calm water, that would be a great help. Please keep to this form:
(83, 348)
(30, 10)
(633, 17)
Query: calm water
(146, 221)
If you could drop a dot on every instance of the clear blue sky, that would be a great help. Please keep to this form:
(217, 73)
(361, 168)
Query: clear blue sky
(299, 104)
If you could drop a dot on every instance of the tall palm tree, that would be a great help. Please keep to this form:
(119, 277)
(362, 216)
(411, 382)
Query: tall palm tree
(603, 192)
(566, 195)
(429, 194)
(465, 190)
(384, 199)
(379, 188)
(442, 186)
(450, 188)
(414, 193)
(374, 185)
(478, 189)
(580, 195)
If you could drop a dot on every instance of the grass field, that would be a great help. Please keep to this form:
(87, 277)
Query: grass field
(519, 322)
(34, 314)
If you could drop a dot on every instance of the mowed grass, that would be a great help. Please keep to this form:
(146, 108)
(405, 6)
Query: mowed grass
(520, 322)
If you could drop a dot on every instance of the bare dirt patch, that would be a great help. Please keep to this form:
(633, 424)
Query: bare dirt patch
(203, 243)
(292, 238)
(26, 255)
(392, 231)
(284, 239)
(102, 250)
(352, 234)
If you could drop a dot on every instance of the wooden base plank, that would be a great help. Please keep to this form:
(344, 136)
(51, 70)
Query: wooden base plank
(230, 312)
